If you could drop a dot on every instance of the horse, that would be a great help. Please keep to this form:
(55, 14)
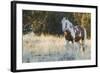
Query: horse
(74, 33)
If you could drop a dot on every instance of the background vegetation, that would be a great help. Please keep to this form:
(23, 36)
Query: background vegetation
(49, 22)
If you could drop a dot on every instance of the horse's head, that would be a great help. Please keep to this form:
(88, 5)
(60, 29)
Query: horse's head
(66, 24)
(68, 28)
(63, 19)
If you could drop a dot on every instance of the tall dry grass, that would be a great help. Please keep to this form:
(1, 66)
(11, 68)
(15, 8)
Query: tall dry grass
(50, 48)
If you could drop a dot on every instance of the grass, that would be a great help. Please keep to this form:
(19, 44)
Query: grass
(50, 48)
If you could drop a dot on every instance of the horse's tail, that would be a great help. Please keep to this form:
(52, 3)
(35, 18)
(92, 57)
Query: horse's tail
(84, 41)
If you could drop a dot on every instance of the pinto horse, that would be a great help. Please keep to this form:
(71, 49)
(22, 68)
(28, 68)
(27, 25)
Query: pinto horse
(74, 33)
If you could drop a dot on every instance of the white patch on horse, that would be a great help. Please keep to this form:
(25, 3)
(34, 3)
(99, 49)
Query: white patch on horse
(80, 34)
(65, 22)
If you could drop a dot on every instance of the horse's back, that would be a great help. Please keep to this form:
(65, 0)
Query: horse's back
(79, 32)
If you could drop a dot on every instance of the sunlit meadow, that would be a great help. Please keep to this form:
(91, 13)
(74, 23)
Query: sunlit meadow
(45, 48)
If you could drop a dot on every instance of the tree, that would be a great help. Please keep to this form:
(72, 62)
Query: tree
(49, 22)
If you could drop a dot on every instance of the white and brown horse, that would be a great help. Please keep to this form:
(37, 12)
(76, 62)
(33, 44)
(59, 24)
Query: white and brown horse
(74, 33)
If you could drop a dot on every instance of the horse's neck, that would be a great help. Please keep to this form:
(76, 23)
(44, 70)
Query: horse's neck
(66, 24)
(70, 24)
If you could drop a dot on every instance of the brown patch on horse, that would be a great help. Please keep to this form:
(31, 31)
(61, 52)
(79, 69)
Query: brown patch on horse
(65, 33)
(69, 37)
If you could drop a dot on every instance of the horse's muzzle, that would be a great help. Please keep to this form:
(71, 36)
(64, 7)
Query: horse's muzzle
(65, 33)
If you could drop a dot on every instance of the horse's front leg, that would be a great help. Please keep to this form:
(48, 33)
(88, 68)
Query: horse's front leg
(66, 41)
(73, 43)
(81, 45)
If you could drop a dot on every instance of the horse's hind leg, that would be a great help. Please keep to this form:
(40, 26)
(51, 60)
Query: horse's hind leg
(84, 39)
(83, 45)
